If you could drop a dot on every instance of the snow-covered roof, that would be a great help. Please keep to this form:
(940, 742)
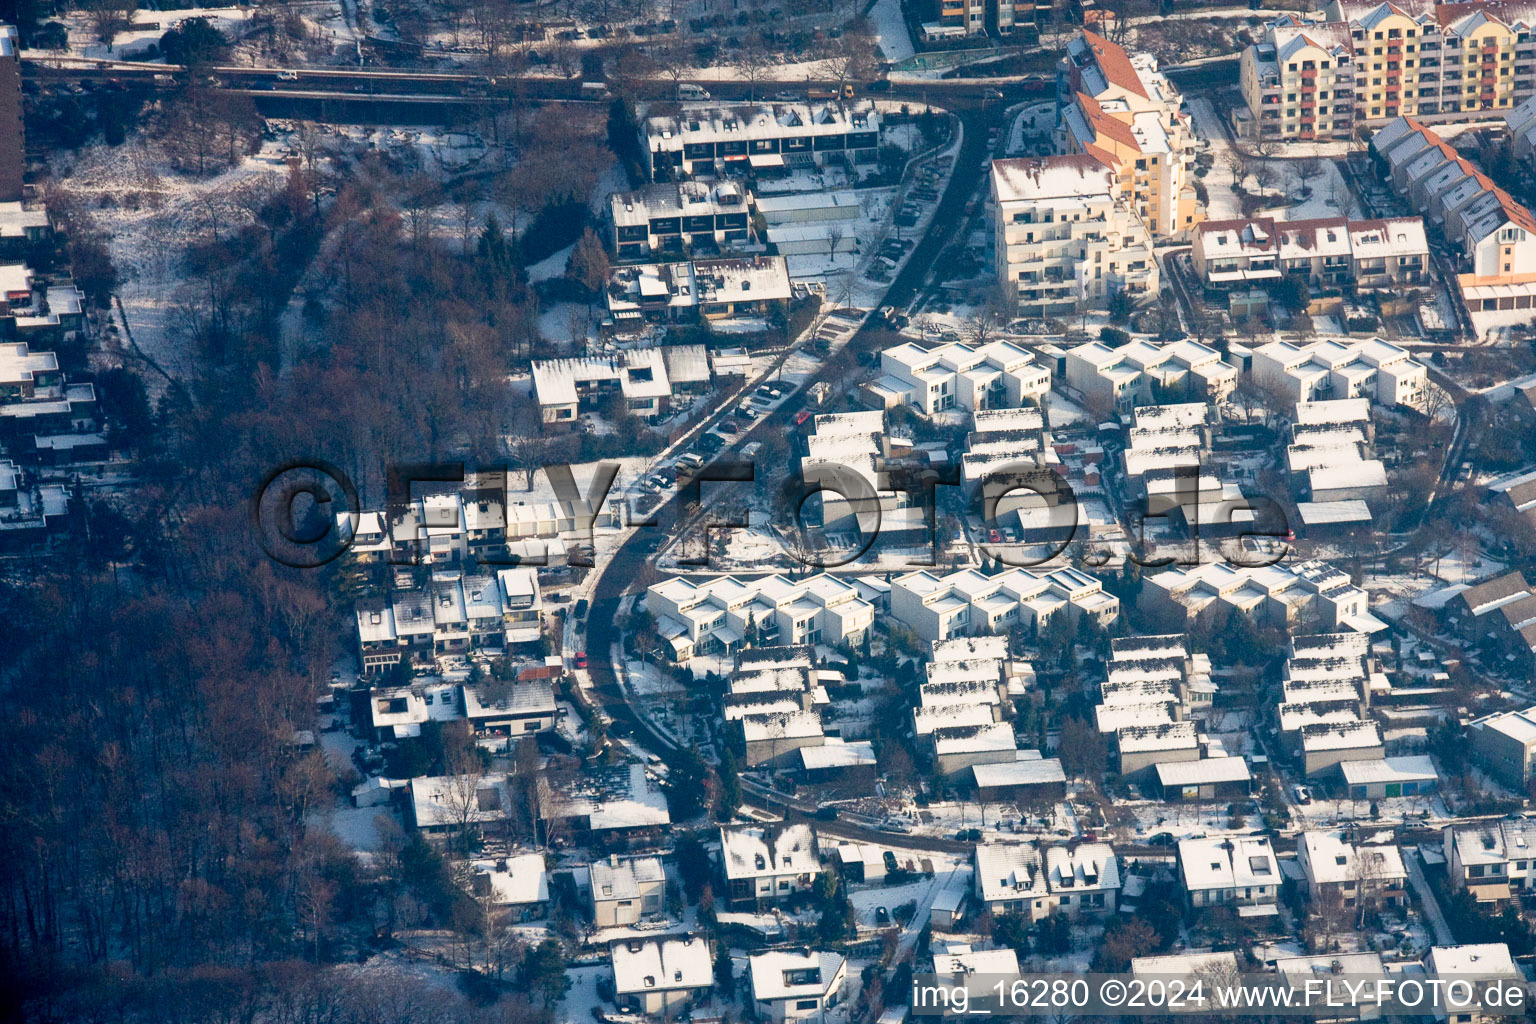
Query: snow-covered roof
(1203, 772)
(513, 881)
(1221, 964)
(620, 879)
(1330, 859)
(661, 965)
(1008, 871)
(1408, 768)
(755, 851)
(976, 961)
(1036, 771)
(794, 974)
(1481, 960)
(837, 753)
(1225, 863)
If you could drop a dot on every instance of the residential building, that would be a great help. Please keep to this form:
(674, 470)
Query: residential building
(1298, 81)
(446, 803)
(968, 602)
(22, 225)
(1325, 744)
(1328, 252)
(1191, 966)
(615, 804)
(996, 375)
(43, 417)
(762, 139)
(1237, 871)
(29, 512)
(1351, 873)
(1141, 749)
(959, 18)
(1340, 368)
(680, 217)
(1120, 108)
(13, 143)
(565, 388)
(399, 712)
(765, 865)
(518, 885)
(625, 889)
(795, 985)
(1491, 859)
(1499, 616)
(1021, 878)
(1029, 780)
(1517, 492)
(1367, 61)
(453, 616)
(661, 977)
(507, 711)
(1495, 233)
(1066, 235)
(1329, 461)
(711, 289)
(1280, 595)
(1504, 743)
(1473, 961)
(1145, 372)
(726, 612)
(1520, 132)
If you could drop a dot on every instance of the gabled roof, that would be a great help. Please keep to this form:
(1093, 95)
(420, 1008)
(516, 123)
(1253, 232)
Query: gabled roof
(1114, 63)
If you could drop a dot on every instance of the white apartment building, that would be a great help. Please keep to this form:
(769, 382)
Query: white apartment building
(1065, 235)
(1328, 251)
(1126, 376)
(968, 602)
(1340, 368)
(997, 375)
(764, 864)
(1238, 871)
(626, 889)
(1120, 108)
(1278, 595)
(793, 985)
(564, 388)
(726, 612)
(715, 140)
(680, 216)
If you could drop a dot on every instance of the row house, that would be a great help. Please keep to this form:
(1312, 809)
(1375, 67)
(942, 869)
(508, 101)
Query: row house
(680, 216)
(466, 615)
(1331, 369)
(1120, 108)
(1066, 234)
(1499, 617)
(969, 602)
(641, 378)
(1495, 233)
(726, 612)
(1328, 252)
(1130, 375)
(43, 417)
(997, 375)
(759, 139)
(1279, 595)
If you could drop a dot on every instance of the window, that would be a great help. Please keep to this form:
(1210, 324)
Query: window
(805, 1004)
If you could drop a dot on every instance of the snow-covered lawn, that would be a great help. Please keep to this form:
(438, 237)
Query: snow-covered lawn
(891, 29)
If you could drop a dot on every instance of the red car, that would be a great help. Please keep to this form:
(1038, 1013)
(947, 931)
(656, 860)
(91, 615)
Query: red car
(995, 537)
(580, 661)
(802, 416)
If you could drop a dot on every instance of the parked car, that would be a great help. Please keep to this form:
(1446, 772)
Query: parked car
(882, 916)
(579, 660)
(1302, 794)
(826, 814)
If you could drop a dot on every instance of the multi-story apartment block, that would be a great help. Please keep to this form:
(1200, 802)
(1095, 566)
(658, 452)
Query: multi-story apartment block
(1491, 859)
(959, 18)
(968, 602)
(761, 138)
(678, 217)
(1127, 376)
(1327, 252)
(997, 375)
(1373, 61)
(725, 612)
(1496, 234)
(1065, 234)
(13, 146)
(645, 378)
(1299, 81)
(1119, 108)
(1520, 129)
(1335, 369)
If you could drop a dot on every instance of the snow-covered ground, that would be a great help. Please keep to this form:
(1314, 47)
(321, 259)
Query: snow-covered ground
(891, 29)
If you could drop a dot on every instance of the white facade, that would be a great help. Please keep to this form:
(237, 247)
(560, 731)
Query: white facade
(1341, 368)
(721, 613)
(968, 602)
(998, 375)
(795, 986)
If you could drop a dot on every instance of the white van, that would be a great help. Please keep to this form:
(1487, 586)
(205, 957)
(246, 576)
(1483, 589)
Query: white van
(689, 91)
(594, 91)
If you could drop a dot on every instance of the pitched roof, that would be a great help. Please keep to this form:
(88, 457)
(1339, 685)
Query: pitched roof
(1115, 64)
